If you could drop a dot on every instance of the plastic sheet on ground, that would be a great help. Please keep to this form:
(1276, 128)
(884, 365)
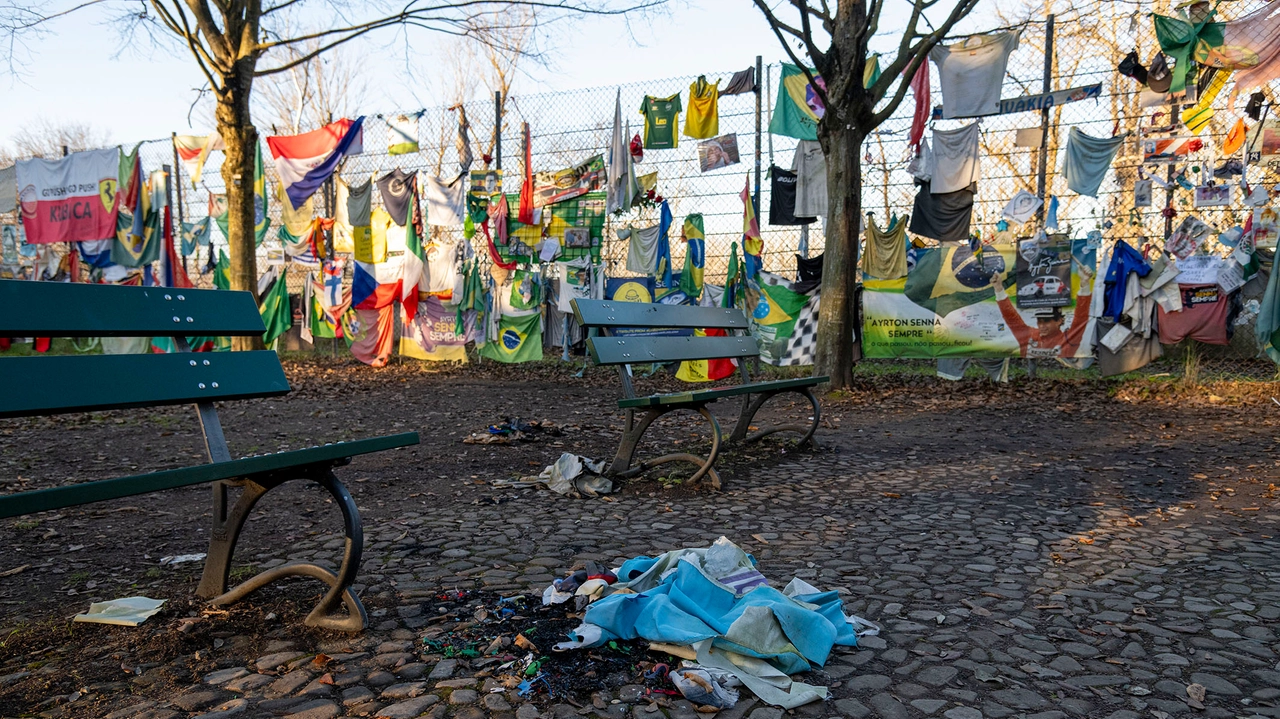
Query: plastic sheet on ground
(572, 475)
(716, 601)
(126, 612)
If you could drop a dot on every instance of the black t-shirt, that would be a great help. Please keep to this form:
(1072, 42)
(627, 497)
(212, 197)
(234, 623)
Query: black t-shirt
(943, 217)
(808, 273)
(782, 198)
(397, 188)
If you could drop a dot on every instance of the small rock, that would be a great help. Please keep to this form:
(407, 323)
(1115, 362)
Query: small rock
(225, 710)
(317, 709)
(199, 699)
(497, 703)
(356, 696)
(407, 709)
(407, 690)
(463, 696)
(271, 662)
(444, 669)
(222, 676)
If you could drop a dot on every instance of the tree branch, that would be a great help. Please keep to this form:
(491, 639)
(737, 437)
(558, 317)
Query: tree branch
(816, 56)
(183, 29)
(909, 59)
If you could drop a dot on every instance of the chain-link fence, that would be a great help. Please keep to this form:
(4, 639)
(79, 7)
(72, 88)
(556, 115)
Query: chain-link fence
(1089, 39)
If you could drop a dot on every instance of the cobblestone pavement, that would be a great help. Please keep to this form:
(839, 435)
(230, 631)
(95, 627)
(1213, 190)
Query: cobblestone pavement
(1043, 566)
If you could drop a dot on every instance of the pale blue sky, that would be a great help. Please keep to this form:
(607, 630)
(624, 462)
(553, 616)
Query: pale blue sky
(79, 73)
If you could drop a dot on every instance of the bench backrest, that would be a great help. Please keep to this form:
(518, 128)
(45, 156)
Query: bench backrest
(614, 349)
(50, 385)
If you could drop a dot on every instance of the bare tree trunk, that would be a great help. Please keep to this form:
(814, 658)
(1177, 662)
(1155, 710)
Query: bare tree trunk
(235, 124)
(836, 353)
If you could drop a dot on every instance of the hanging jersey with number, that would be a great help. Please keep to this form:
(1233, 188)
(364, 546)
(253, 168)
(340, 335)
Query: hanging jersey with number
(661, 118)
(703, 118)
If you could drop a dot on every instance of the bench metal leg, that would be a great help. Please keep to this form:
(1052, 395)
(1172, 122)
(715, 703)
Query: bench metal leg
(226, 530)
(752, 404)
(621, 466)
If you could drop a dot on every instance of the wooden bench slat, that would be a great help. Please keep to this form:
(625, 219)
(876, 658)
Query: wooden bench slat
(42, 500)
(706, 395)
(86, 383)
(611, 313)
(642, 350)
(56, 309)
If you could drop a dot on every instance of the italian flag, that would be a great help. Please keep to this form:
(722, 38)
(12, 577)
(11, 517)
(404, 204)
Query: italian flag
(415, 256)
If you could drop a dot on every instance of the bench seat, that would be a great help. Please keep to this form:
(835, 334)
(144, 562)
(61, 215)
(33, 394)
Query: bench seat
(337, 453)
(699, 396)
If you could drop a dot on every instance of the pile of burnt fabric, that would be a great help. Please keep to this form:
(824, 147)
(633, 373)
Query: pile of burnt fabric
(515, 430)
(713, 606)
(505, 643)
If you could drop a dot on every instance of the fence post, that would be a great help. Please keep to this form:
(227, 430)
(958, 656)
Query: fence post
(1043, 161)
(497, 130)
(1046, 87)
(177, 189)
(166, 257)
(759, 108)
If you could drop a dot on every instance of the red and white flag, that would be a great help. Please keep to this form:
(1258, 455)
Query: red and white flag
(71, 199)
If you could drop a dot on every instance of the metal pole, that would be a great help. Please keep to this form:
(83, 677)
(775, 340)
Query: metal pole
(166, 257)
(1176, 115)
(497, 129)
(330, 210)
(1042, 163)
(177, 183)
(755, 199)
(1046, 87)
(759, 108)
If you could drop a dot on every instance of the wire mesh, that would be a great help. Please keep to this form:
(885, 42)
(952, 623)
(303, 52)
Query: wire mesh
(1090, 39)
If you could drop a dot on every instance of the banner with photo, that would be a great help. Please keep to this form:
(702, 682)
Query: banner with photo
(552, 187)
(718, 152)
(645, 290)
(955, 302)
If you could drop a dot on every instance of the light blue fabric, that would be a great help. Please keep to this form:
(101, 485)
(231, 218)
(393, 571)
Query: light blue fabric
(1269, 316)
(663, 621)
(634, 567)
(1051, 219)
(1087, 160)
(791, 633)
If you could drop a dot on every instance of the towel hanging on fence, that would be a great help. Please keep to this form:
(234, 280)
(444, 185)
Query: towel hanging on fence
(1087, 160)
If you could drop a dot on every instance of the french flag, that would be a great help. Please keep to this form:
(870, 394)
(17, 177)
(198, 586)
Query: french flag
(305, 161)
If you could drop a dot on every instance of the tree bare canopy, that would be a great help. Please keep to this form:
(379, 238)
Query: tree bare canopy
(235, 42)
(832, 41)
(46, 138)
(315, 93)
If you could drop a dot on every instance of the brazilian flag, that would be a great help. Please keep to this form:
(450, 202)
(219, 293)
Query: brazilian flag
(222, 272)
(695, 257)
(321, 325)
(261, 221)
(948, 278)
(275, 310)
(797, 110)
(519, 340)
(778, 307)
(472, 298)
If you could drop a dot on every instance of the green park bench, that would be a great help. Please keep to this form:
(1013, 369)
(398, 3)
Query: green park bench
(618, 347)
(45, 385)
